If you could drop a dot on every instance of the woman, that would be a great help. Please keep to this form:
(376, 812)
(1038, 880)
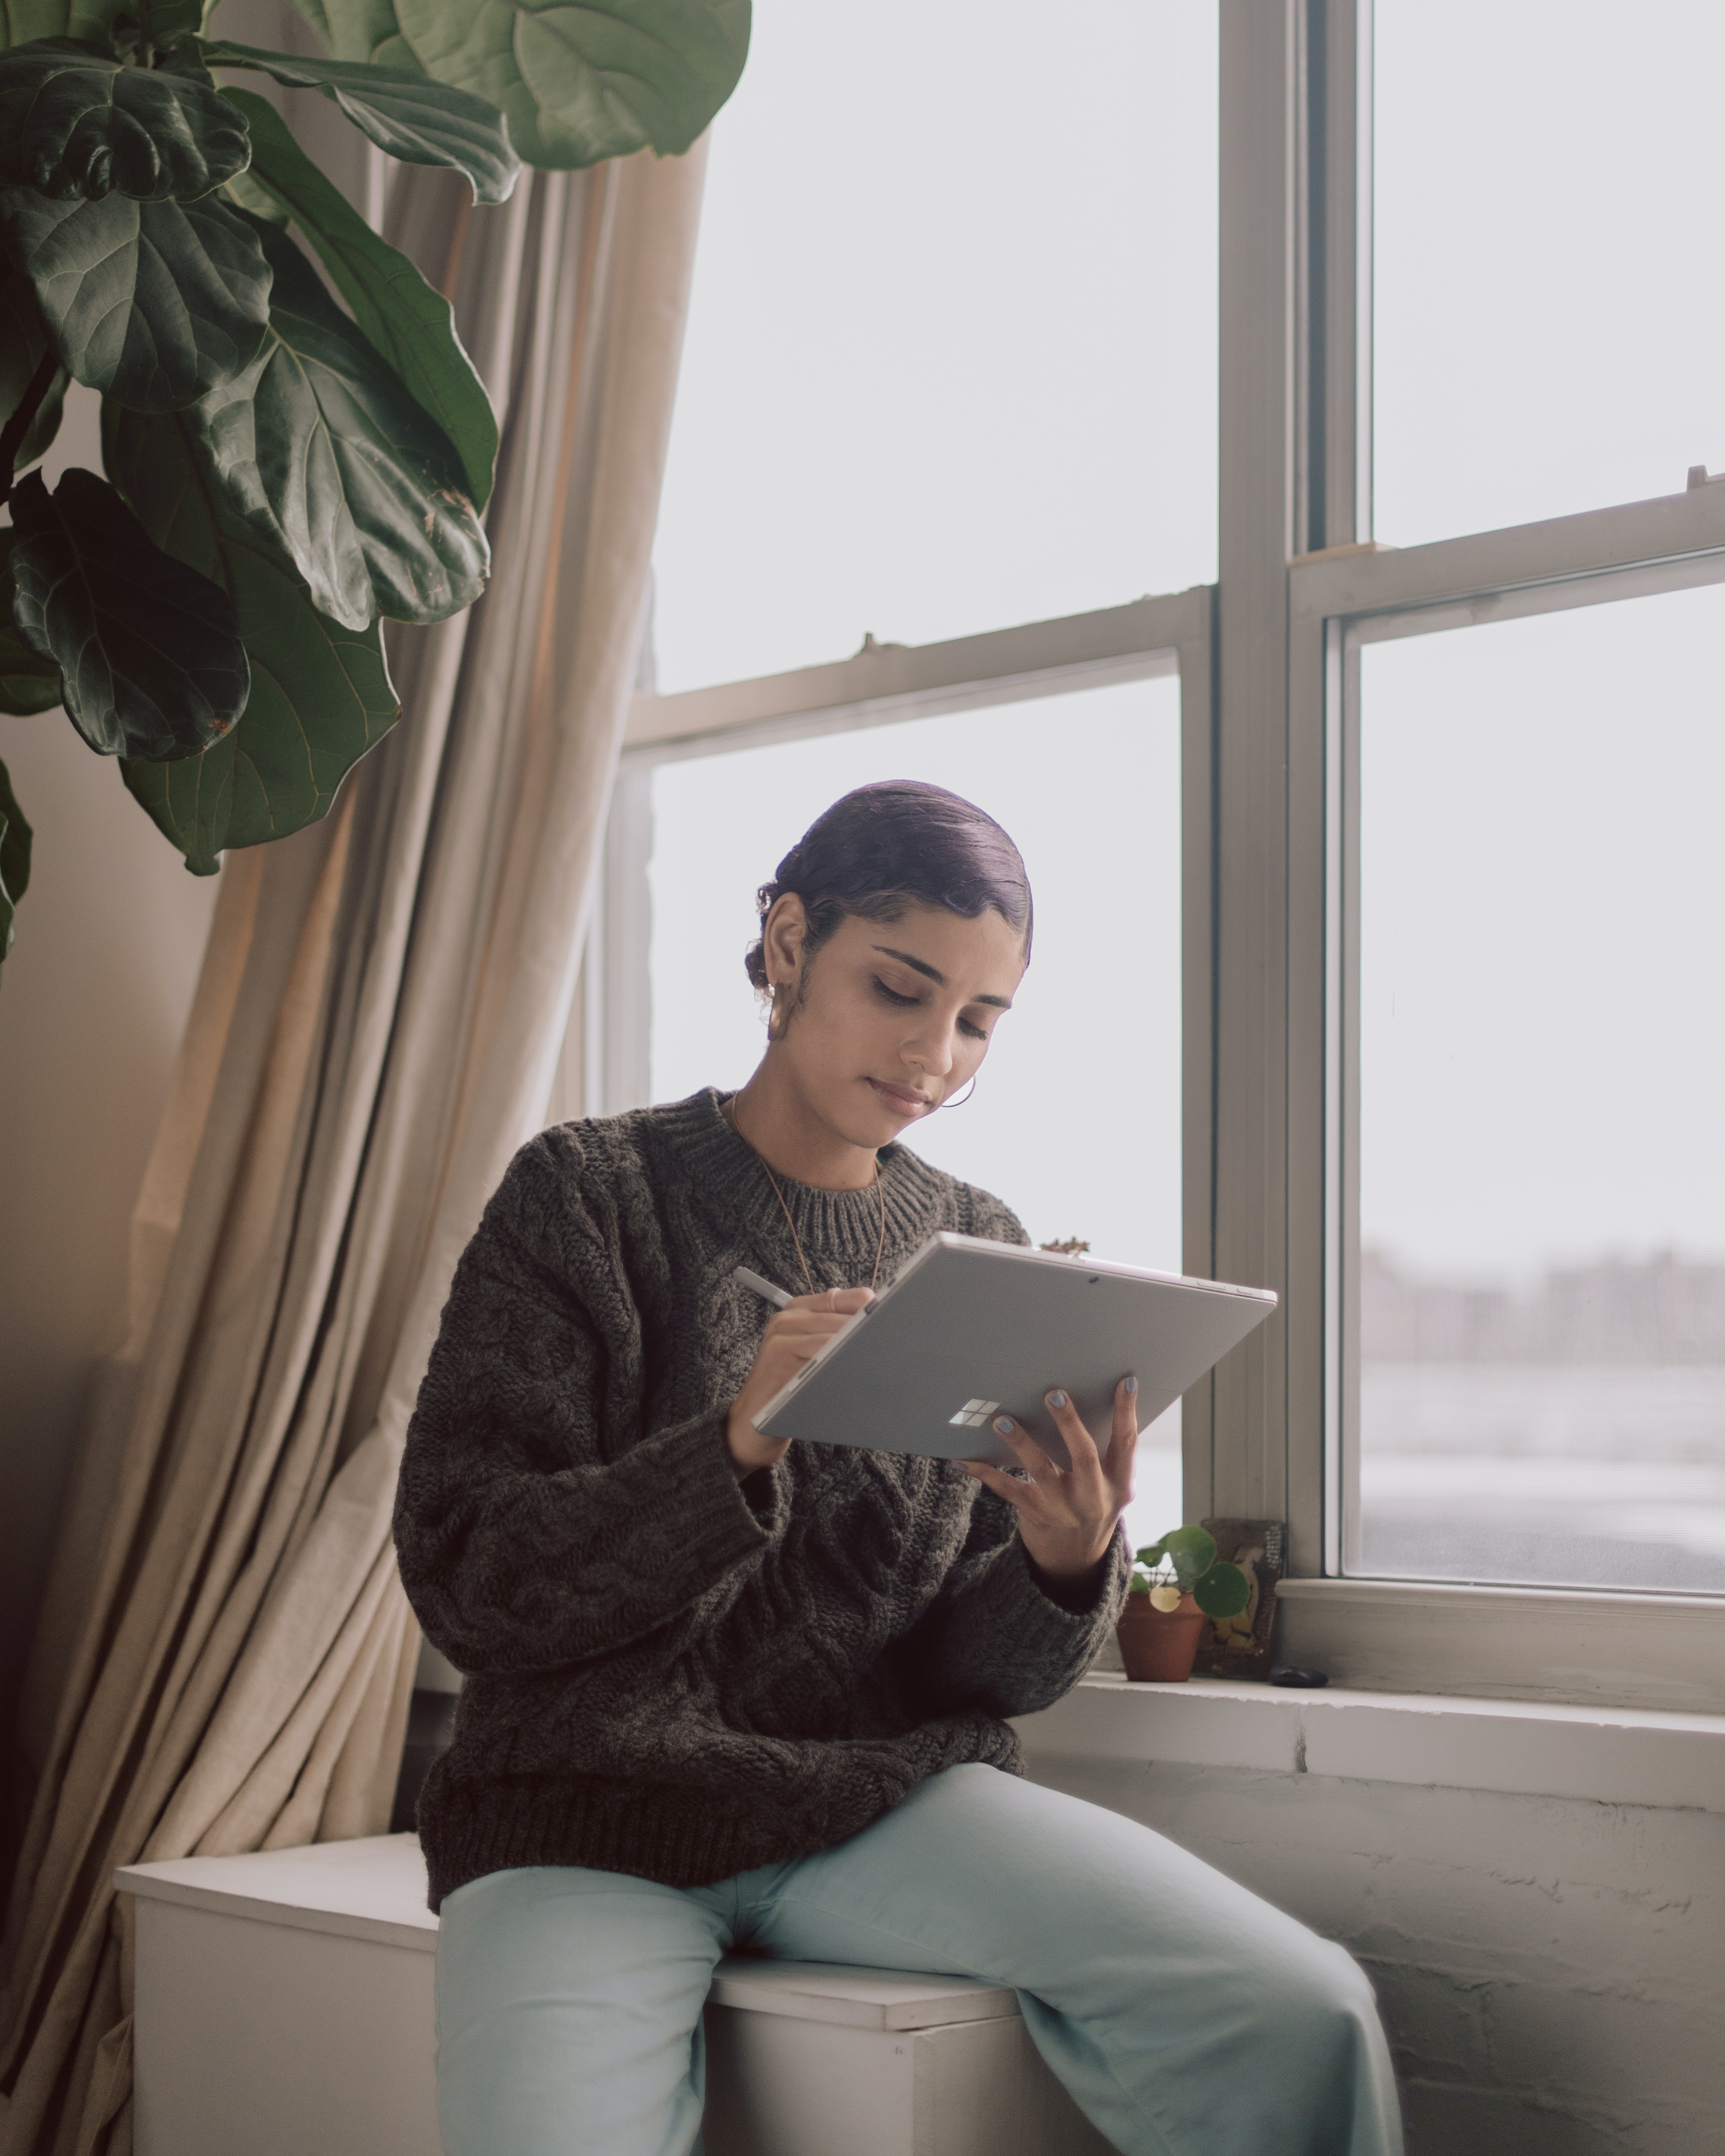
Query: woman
(725, 1692)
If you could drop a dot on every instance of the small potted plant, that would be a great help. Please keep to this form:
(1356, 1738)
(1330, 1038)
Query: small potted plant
(1177, 1583)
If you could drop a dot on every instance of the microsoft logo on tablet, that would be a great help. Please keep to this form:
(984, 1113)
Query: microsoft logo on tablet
(974, 1414)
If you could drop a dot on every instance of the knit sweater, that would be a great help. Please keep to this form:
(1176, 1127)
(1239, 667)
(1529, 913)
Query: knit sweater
(671, 1672)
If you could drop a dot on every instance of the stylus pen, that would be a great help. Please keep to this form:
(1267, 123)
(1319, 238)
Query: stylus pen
(763, 1288)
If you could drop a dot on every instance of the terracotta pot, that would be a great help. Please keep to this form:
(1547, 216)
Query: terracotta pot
(1158, 1645)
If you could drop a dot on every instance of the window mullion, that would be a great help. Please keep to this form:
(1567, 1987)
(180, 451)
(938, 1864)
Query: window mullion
(1258, 81)
(1332, 386)
(1339, 352)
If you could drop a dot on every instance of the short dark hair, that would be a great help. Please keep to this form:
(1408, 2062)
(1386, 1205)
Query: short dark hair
(897, 843)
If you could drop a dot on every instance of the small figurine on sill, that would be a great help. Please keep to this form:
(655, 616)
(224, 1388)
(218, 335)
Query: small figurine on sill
(1244, 1646)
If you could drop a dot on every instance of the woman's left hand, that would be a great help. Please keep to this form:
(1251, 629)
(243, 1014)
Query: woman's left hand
(1067, 1516)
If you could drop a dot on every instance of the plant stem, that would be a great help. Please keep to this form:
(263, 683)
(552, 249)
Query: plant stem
(19, 424)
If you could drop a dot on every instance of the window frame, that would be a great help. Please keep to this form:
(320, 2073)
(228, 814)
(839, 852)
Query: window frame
(883, 684)
(1296, 388)
(1669, 1651)
(1268, 664)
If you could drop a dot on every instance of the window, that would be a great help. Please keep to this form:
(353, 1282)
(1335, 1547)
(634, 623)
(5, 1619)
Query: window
(1096, 1023)
(1546, 327)
(1542, 1158)
(951, 359)
(1442, 1063)
(1509, 743)
(1110, 1029)
(1094, 1064)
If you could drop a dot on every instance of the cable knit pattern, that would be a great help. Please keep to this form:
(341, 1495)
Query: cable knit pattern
(669, 1672)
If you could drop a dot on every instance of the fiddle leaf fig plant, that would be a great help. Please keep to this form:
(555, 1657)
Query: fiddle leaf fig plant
(288, 463)
(577, 79)
(14, 858)
(28, 682)
(411, 326)
(407, 117)
(1184, 1562)
(151, 659)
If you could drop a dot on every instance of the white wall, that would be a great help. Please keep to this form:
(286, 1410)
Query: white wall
(1551, 1970)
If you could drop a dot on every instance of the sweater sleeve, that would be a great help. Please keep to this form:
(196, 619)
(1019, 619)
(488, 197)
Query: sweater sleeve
(995, 1637)
(539, 1523)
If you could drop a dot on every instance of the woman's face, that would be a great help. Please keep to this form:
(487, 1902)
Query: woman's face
(893, 1017)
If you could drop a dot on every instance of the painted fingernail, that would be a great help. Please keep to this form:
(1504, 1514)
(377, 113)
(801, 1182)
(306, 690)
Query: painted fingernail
(1132, 1386)
(1004, 1424)
(1057, 1399)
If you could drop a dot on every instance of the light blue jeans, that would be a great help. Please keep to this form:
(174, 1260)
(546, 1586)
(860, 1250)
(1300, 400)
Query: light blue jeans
(1187, 2017)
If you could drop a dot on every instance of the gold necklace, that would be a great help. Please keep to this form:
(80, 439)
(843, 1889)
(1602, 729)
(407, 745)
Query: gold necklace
(726, 1111)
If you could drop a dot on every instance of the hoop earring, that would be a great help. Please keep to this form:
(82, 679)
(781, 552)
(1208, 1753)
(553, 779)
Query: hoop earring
(963, 1097)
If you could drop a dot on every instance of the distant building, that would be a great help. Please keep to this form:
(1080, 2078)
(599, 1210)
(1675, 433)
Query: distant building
(1662, 1309)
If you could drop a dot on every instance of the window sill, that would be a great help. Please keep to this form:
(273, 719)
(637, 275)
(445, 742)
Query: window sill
(1663, 1652)
(1603, 1755)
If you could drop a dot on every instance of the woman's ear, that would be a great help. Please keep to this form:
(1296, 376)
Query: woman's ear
(784, 934)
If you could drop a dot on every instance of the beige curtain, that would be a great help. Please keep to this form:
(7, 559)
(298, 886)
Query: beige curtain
(226, 1656)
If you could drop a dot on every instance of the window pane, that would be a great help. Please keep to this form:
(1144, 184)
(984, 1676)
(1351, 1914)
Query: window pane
(1542, 1063)
(1076, 1119)
(1548, 318)
(952, 350)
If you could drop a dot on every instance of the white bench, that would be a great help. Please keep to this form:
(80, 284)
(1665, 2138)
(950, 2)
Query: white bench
(284, 2003)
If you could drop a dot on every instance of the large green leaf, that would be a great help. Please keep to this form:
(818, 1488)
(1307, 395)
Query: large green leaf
(23, 21)
(578, 80)
(149, 652)
(23, 345)
(321, 695)
(419, 121)
(153, 303)
(1190, 1550)
(95, 22)
(28, 682)
(76, 123)
(165, 22)
(412, 326)
(321, 448)
(246, 191)
(1223, 1591)
(15, 835)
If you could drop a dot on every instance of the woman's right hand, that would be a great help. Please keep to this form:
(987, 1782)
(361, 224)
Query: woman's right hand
(793, 1336)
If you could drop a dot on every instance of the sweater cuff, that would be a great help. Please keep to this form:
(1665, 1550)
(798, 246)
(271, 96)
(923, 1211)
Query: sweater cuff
(1043, 1621)
(705, 1502)
(1096, 1599)
(1079, 1597)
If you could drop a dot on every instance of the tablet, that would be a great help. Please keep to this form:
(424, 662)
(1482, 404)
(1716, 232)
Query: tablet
(972, 1329)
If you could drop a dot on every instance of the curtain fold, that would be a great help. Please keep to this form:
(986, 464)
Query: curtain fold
(225, 1656)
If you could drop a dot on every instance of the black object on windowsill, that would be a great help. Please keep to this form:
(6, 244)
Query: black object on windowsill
(1298, 1680)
